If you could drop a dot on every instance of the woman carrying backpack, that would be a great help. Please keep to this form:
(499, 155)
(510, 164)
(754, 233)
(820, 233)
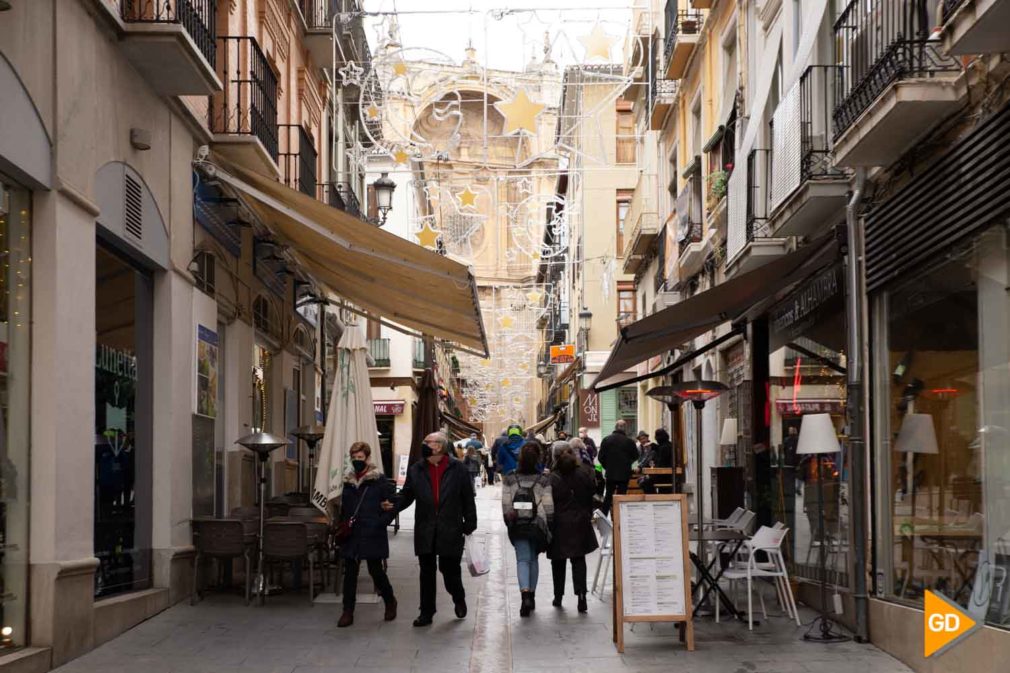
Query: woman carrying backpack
(528, 508)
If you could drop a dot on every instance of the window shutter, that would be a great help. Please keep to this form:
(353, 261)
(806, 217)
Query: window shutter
(608, 411)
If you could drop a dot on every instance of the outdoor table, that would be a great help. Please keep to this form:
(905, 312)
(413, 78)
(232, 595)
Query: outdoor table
(705, 577)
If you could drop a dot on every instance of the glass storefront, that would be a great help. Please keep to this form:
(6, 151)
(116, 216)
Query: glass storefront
(15, 396)
(942, 393)
(122, 425)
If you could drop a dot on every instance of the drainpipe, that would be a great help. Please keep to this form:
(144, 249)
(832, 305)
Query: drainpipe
(856, 413)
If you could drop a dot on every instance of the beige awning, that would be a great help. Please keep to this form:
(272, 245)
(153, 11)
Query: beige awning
(542, 424)
(378, 271)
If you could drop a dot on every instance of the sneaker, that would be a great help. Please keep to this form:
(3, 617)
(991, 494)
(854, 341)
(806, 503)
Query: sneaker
(423, 620)
(346, 619)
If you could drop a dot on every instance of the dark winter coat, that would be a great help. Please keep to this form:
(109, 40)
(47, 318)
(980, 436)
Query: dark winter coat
(508, 454)
(368, 535)
(617, 454)
(573, 513)
(440, 531)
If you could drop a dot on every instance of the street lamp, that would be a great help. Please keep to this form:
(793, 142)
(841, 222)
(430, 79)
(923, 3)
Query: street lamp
(384, 188)
(585, 319)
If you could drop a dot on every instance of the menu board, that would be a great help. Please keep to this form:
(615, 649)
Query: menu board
(652, 581)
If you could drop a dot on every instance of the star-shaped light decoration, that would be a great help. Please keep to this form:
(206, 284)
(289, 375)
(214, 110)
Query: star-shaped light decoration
(506, 321)
(534, 297)
(399, 68)
(535, 255)
(467, 197)
(598, 43)
(401, 156)
(427, 236)
(351, 73)
(372, 111)
(520, 113)
(506, 382)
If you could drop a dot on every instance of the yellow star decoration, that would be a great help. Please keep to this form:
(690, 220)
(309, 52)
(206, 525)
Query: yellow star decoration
(520, 113)
(485, 363)
(400, 69)
(506, 382)
(400, 156)
(467, 197)
(427, 237)
(598, 43)
(535, 256)
(506, 321)
(534, 297)
(372, 111)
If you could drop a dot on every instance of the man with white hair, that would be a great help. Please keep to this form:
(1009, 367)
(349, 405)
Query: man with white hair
(446, 512)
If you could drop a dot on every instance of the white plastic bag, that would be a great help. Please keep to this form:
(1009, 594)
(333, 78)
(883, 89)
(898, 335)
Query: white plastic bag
(476, 556)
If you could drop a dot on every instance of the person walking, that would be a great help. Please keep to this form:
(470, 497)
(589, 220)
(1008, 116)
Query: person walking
(446, 512)
(528, 509)
(572, 488)
(617, 454)
(589, 442)
(580, 450)
(493, 457)
(508, 450)
(472, 463)
(557, 447)
(365, 489)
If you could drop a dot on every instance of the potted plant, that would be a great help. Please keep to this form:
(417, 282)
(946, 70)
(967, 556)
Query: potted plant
(718, 182)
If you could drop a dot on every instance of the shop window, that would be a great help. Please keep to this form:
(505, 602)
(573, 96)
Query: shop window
(15, 369)
(943, 404)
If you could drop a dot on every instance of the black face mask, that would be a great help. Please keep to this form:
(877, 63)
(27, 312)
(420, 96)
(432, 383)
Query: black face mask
(426, 451)
(359, 465)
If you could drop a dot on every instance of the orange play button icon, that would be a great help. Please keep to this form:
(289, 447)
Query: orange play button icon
(944, 623)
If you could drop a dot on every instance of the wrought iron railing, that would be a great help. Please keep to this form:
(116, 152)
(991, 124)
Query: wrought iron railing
(319, 13)
(660, 278)
(248, 103)
(693, 236)
(198, 17)
(818, 85)
(679, 22)
(378, 349)
(881, 42)
(297, 158)
(758, 177)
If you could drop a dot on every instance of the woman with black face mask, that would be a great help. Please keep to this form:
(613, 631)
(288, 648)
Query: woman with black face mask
(365, 488)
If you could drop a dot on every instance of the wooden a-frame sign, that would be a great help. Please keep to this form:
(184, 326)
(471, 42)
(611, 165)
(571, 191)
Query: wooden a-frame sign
(650, 537)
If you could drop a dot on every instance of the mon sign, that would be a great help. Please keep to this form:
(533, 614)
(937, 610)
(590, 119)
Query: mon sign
(563, 354)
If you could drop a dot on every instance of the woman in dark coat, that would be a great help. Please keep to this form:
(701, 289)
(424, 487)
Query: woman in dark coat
(572, 485)
(365, 489)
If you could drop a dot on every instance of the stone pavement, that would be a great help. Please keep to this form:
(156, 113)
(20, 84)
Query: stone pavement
(222, 635)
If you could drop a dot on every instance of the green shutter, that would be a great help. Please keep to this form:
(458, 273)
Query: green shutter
(608, 411)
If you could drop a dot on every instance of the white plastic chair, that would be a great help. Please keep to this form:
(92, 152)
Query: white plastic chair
(729, 521)
(605, 531)
(769, 541)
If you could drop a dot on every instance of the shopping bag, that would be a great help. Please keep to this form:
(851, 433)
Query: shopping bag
(476, 556)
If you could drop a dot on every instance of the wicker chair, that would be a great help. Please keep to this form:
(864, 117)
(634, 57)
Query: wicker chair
(289, 541)
(224, 540)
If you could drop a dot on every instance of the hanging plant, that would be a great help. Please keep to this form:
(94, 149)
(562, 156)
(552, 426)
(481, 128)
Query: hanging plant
(718, 182)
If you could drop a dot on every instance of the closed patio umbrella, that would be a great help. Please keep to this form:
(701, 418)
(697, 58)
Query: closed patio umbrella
(427, 419)
(350, 418)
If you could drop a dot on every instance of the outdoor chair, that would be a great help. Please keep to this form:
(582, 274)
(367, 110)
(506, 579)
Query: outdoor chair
(223, 540)
(289, 542)
(769, 541)
(305, 513)
(605, 531)
(729, 521)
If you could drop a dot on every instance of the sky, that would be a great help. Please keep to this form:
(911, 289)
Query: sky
(504, 33)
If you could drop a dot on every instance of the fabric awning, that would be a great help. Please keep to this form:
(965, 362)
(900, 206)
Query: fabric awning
(541, 424)
(671, 327)
(378, 271)
(458, 427)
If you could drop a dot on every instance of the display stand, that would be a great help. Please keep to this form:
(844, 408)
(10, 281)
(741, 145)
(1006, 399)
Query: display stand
(652, 581)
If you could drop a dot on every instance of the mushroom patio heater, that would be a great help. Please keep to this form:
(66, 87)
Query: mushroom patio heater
(697, 393)
(310, 434)
(261, 443)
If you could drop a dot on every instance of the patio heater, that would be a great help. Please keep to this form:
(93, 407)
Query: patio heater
(697, 393)
(665, 395)
(818, 437)
(262, 443)
(310, 434)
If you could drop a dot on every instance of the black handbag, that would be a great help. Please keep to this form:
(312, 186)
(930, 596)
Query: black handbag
(345, 528)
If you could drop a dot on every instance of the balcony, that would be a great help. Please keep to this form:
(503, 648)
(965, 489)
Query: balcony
(760, 246)
(172, 44)
(644, 219)
(243, 117)
(318, 17)
(895, 84)
(808, 191)
(664, 96)
(378, 353)
(419, 359)
(297, 158)
(976, 26)
(683, 30)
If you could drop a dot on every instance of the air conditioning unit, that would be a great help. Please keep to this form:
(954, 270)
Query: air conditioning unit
(666, 300)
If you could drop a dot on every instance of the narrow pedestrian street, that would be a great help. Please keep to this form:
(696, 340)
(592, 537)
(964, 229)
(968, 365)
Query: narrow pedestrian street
(222, 635)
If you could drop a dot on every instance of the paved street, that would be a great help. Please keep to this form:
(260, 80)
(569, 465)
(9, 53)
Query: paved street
(221, 635)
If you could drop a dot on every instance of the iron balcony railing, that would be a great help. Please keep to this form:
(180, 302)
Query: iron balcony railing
(248, 103)
(818, 86)
(297, 158)
(660, 278)
(348, 199)
(881, 42)
(319, 13)
(198, 17)
(679, 22)
(693, 236)
(759, 167)
(378, 349)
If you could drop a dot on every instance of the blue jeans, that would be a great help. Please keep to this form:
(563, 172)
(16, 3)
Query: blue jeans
(527, 564)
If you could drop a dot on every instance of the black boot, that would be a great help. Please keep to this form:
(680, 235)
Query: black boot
(533, 600)
(583, 606)
(527, 604)
(557, 600)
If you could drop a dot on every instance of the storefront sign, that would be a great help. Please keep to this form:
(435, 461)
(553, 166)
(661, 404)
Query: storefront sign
(388, 408)
(563, 354)
(206, 371)
(815, 297)
(801, 407)
(589, 406)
